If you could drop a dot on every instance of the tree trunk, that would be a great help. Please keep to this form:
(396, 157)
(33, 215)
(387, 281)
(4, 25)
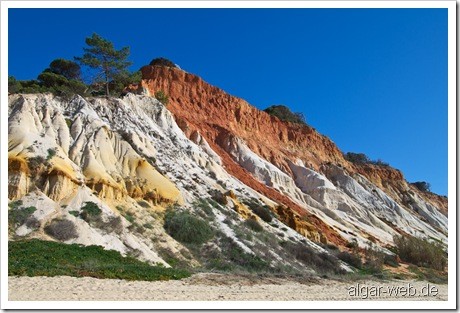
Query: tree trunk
(107, 86)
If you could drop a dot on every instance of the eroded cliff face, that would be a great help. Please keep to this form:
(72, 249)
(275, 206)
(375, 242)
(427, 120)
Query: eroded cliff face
(208, 153)
(217, 115)
(68, 153)
(58, 155)
(129, 158)
(220, 118)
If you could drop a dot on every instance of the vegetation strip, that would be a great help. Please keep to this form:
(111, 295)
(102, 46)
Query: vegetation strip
(46, 258)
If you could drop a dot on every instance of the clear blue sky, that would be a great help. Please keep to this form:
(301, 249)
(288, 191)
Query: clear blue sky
(373, 80)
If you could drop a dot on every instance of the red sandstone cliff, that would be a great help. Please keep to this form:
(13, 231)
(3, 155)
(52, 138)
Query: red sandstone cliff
(216, 115)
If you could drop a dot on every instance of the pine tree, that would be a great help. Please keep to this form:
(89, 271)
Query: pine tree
(102, 56)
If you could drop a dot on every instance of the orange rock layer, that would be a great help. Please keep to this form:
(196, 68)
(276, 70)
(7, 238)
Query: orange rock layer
(216, 115)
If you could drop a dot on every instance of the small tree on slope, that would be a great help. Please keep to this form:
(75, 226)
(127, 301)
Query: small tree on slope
(102, 56)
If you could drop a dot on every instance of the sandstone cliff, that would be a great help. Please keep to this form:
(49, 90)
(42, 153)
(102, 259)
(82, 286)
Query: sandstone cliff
(208, 153)
(223, 120)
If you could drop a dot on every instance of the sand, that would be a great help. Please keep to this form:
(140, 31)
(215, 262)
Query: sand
(213, 287)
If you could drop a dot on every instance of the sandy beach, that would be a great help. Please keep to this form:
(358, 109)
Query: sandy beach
(217, 287)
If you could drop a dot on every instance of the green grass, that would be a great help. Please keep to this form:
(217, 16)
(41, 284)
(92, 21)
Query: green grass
(46, 258)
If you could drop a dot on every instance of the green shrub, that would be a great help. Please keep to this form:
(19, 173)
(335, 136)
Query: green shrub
(32, 222)
(253, 225)
(162, 62)
(62, 78)
(261, 211)
(284, 113)
(90, 210)
(129, 217)
(422, 186)
(421, 252)
(429, 274)
(36, 162)
(45, 258)
(391, 260)
(61, 229)
(186, 228)
(374, 261)
(14, 86)
(352, 259)
(113, 225)
(238, 257)
(135, 227)
(51, 154)
(161, 96)
(248, 261)
(15, 204)
(49, 79)
(91, 213)
(361, 158)
(380, 162)
(204, 206)
(74, 213)
(29, 86)
(122, 80)
(321, 262)
(18, 216)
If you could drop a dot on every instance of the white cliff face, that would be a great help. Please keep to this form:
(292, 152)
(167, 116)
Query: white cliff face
(124, 155)
(355, 208)
(129, 157)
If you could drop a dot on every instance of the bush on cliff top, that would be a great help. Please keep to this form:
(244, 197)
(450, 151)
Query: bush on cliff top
(422, 185)
(62, 78)
(284, 113)
(162, 62)
(361, 158)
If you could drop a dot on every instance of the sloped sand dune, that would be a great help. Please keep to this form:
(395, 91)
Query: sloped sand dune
(207, 287)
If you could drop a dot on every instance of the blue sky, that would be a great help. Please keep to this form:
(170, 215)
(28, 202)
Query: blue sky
(373, 80)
